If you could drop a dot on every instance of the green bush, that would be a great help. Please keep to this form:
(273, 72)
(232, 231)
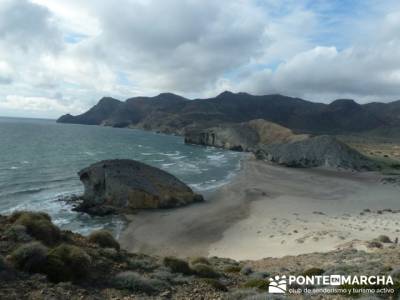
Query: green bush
(17, 233)
(177, 265)
(67, 263)
(29, 257)
(256, 283)
(384, 239)
(38, 225)
(313, 272)
(135, 282)
(205, 271)
(232, 269)
(104, 239)
(37, 215)
(141, 264)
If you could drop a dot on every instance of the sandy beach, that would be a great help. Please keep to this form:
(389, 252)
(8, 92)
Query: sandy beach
(272, 211)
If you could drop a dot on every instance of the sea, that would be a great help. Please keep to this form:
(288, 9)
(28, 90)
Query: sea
(39, 161)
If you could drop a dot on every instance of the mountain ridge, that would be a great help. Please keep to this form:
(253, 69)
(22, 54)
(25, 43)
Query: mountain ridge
(171, 113)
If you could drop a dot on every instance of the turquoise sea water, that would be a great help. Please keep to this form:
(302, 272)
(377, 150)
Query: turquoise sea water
(39, 161)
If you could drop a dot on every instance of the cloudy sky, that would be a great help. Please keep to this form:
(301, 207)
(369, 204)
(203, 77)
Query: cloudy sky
(59, 56)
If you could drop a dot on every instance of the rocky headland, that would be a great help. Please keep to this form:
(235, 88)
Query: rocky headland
(280, 129)
(320, 151)
(245, 136)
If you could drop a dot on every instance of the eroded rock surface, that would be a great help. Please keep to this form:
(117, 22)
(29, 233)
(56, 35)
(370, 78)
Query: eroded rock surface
(128, 184)
(320, 151)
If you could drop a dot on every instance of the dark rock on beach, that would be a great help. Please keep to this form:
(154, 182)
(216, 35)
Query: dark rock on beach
(320, 151)
(122, 184)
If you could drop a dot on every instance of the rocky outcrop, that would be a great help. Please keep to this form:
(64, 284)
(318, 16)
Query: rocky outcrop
(320, 151)
(242, 137)
(121, 184)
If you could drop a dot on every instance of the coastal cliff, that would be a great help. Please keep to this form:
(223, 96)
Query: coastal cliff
(243, 136)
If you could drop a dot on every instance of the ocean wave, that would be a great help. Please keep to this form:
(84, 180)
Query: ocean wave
(23, 192)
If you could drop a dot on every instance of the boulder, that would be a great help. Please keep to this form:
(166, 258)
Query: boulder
(319, 151)
(119, 184)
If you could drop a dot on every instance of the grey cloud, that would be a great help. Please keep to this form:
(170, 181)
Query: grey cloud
(27, 25)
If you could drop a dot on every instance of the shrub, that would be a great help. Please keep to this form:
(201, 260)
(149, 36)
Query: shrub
(199, 260)
(17, 233)
(3, 264)
(135, 282)
(29, 257)
(256, 283)
(216, 284)
(141, 264)
(177, 265)
(313, 272)
(205, 271)
(374, 244)
(246, 270)
(67, 263)
(104, 239)
(384, 239)
(38, 225)
(37, 215)
(232, 269)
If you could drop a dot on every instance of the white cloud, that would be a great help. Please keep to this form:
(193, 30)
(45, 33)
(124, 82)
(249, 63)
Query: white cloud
(83, 50)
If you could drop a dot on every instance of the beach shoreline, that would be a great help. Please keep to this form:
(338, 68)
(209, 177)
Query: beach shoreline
(271, 211)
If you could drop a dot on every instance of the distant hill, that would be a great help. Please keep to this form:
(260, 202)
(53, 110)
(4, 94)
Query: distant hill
(170, 113)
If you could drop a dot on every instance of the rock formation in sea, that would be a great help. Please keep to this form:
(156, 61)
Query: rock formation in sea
(243, 136)
(319, 151)
(123, 184)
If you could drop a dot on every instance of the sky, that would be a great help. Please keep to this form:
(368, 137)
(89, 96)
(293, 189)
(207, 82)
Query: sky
(62, 56)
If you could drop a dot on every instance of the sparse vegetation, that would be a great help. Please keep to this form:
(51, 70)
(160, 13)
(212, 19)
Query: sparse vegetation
(29, 257)
(141, 264)
(137, 283)
(97, 272)
(205, 271)
(232, 269)
(104, 239)
(256, 283)
(313, 272)
(177, 265)
(216, 284)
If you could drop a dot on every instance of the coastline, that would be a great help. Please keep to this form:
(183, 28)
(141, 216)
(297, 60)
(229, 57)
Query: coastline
(271, 211)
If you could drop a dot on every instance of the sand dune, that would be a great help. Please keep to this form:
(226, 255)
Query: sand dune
(272, 211)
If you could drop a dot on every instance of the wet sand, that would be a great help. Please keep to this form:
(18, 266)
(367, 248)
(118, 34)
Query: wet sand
(272, 211)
